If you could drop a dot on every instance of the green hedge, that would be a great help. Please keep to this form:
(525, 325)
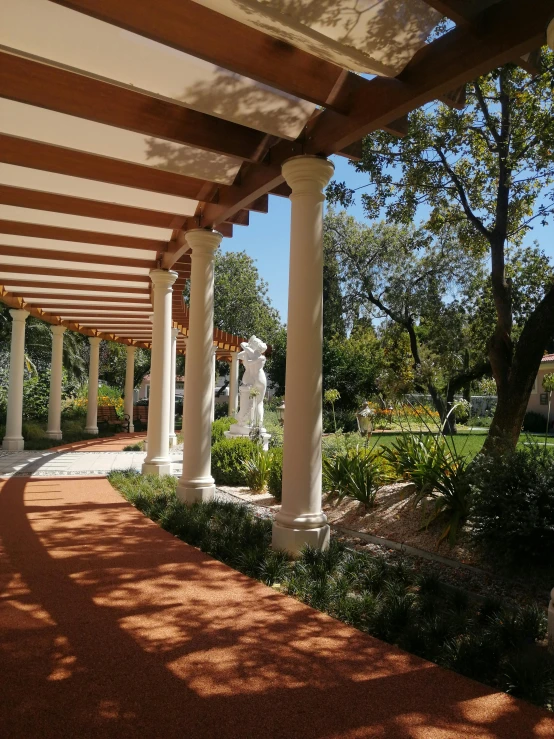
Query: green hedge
(228, 458)
(275, 480)
(219, 427)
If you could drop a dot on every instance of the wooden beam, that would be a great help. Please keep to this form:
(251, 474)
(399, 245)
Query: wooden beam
(68, 257)
(189, 27)
(37, 230)
(81, 274)
(510, 29)
(75, 93)
(77, 301)
(88, 290)
(39, 200)
(459, 11)
(47, 157)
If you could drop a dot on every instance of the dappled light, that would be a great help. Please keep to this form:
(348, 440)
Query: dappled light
(111, 624)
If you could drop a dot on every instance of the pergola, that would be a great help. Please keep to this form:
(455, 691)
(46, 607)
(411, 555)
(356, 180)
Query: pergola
(134, 135)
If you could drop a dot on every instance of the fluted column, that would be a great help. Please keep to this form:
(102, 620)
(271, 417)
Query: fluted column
(196, 482)
(301, 520)
(158, 461)
(130, 385)
(93, 368)
(54, 430)
(233, 384)
(13, 440)
(173, 380)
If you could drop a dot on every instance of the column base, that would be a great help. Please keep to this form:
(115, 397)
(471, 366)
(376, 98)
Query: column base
(157, 467)
(13, 443)
(131, 428)
(172, 440)
(196, 491)
(54, 434)
(92, 430)
(293, 540)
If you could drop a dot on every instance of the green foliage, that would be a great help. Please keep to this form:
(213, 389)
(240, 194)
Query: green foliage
(356, 473)
(275, 478)
(513, 516)
(219, 427)
(258, 467)
(548, 382)
(113, 364)
(36, 394)
(485, 641)
(350, 367)
(415, 457)
(534, 422)
(241, 304)
(228, 461)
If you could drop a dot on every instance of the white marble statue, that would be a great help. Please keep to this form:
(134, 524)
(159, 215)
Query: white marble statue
(251, 391)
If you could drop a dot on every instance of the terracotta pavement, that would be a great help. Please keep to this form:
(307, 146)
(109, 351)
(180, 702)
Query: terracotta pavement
(111, 627)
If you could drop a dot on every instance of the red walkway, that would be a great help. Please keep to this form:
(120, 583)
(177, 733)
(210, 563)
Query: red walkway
(107, 444)
(110, 627)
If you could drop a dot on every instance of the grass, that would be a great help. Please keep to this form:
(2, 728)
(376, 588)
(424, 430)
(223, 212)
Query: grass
(483, 640)
(466, 443)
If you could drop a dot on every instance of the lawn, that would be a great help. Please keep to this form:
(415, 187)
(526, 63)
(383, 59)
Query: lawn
(466, 443)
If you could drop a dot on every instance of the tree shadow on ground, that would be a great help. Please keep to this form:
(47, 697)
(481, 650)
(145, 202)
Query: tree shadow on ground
(112, 627)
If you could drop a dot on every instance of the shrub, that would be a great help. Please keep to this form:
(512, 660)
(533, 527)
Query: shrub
(513, 514)
(228, 458)
(356, 473)
(219, 427)
(534, 423)
(416, 457)
(275, 478)
(36, 395)
(220, 411)
(257, 469)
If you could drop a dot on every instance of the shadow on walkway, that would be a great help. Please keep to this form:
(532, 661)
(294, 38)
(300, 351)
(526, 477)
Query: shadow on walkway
(107, 444)
(111, 627)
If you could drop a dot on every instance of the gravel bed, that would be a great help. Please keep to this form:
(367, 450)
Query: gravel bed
(478, 583)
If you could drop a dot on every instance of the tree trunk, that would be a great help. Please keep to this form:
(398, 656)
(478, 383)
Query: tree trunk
(515, 379)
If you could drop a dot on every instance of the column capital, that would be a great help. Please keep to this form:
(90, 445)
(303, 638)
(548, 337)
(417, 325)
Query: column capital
(174, 333)
(307, 173)
(131, 348)
(18, 314)
(94, 340)
(58, 330)
(203, 242)
(164, 277)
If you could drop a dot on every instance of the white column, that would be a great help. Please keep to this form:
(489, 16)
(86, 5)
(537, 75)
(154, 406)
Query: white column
(13, 440)
(158, 461)
(173, 380)
(301, 520)
(214, 384)
(93, 367)
(233, 384)
(196, 482)
(54, 430)
(130, 385)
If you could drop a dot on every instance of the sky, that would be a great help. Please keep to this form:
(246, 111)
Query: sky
(266, 239)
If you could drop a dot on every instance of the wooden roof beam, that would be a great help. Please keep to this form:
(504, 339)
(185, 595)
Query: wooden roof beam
(106, 278)
(510, 29)
(37, 230)
(89, 291)
(67, 257)
(47, 85)
(50, 158)
(39, 200)
(189, 27)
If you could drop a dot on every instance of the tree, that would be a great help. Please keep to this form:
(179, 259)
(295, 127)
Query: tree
(419, 283)
(241, 302)
(113, 364)
(488, 171)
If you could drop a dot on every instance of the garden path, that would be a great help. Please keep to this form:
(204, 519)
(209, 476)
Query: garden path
(111, 627)
(82, 458)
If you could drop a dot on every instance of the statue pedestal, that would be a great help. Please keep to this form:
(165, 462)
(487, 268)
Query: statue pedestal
(237, 431)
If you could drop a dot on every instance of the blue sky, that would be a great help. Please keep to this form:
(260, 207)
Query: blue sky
(266, 239)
